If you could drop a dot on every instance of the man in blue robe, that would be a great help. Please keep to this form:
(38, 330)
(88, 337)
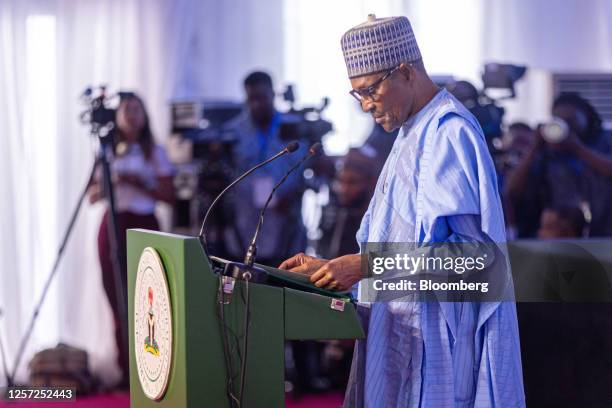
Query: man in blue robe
(438, 185)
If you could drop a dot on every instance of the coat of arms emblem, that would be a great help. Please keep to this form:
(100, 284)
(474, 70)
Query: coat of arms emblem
(152, 325)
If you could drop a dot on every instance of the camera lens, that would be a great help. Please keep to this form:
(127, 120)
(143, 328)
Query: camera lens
(555, 131)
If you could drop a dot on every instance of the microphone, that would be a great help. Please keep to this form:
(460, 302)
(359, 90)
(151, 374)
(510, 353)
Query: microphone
(251, 253)
(290, 148)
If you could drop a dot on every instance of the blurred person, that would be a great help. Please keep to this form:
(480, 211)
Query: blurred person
(484, 109)
(257, 130)
(258, 133)
(566, 340)
(142, 176)
(438, 185)
(561, 222)
(574, 172)
(465, 92)
(352, 188)
(565, 345)
(379, 144)
(518, 139)
(516, 142)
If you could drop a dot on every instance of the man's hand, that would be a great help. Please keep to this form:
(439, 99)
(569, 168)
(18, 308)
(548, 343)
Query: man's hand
(339, 273)
(302, 263)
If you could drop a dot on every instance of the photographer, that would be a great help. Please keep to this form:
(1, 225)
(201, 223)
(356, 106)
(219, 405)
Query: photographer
(561, 222)
(573, 171)
(142, 175)
(258, 131)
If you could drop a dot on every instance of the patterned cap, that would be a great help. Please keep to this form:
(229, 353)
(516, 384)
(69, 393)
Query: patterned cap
(379, 44)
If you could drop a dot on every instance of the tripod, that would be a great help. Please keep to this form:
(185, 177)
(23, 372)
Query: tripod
(102, 159)
(4, 362)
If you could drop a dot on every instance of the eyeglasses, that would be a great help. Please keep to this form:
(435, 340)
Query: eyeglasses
(369, 92)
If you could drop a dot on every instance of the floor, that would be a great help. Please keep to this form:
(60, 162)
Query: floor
(122, 400)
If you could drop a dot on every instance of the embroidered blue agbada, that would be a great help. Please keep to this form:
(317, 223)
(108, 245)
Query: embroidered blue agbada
(438, 185)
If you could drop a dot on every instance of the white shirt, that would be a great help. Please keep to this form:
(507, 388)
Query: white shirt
(129, 198)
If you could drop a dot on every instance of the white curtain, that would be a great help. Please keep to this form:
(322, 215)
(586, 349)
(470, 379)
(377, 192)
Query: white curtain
(49, 52)
(557, 35)
(234, 37)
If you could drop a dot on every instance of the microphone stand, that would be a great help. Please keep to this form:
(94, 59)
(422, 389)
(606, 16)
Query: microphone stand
(291, 147)
(5, 371)
(251, 252)
(247, 274)
(227, 281)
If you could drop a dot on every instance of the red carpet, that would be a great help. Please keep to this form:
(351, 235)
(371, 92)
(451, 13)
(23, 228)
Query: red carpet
(317, 401)
(98, 401)
(123, 401)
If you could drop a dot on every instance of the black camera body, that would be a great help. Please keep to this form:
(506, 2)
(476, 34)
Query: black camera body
(295, 125)
(100, 114)
(303, 124)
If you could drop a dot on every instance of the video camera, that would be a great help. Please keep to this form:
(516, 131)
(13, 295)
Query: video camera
(101, 110)
(203, 124)
(482, 105)
(303, 124)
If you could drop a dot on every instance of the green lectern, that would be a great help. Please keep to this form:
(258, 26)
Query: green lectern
(182, 313)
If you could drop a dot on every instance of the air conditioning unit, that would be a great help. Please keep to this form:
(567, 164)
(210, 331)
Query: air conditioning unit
(596, 88)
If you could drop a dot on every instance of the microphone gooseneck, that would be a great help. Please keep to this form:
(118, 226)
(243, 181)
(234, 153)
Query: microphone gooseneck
(290, 148)
(251, 253)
